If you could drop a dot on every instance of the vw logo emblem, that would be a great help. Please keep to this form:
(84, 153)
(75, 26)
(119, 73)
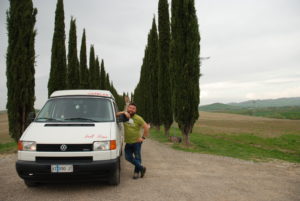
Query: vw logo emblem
(63, 147)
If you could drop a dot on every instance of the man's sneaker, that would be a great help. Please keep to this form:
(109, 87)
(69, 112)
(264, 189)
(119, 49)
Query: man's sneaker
(143, 171)
(135, 175)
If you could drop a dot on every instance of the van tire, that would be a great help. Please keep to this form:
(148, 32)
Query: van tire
(114, 179)
(30, 183)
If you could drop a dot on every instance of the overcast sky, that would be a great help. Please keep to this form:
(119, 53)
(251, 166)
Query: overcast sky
(253, 45)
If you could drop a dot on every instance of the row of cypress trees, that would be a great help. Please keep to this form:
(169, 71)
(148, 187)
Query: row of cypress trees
(71, 72)
(169, 81)
(67, 72)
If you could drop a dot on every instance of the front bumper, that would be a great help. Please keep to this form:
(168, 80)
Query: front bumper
(82, 171)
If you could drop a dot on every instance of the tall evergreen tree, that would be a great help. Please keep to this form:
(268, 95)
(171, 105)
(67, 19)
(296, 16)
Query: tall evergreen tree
(97, 72)
(107, 82)
(21, 18)
(58, 72)
(164, 81)
(84, 74)
(132, 97)
(142, 93)
(102, 75)
(185, 63)
(146, 92)
(92, 75)
(73, 64)
(153, 66)
(119, 99)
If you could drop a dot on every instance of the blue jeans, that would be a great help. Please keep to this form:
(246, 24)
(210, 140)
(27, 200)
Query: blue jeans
(133, 155)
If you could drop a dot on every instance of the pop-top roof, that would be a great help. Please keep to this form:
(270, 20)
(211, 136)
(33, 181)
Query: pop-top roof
(102, 93)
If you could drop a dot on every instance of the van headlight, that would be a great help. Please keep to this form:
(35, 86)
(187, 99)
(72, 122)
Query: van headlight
(26, 146)
(101, 146)
(105, 145)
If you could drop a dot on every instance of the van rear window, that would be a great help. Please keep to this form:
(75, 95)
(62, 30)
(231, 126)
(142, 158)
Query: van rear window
(76, 109)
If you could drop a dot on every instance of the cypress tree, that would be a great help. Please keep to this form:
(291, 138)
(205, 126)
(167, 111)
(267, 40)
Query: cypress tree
(57, 78)
(92, 75)
(132, 97)
(20, 59)
(143, 91)
(119, 99)
(97, 73)
(84, 74)
(153, 69)
(107, 82)
(164, 82)
(146, 92)
(185, 63)
(102, 75)
(137, 98)
(73, 64)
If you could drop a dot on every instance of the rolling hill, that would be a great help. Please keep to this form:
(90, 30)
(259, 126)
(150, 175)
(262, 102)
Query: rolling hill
(280, 102)
(283, 108)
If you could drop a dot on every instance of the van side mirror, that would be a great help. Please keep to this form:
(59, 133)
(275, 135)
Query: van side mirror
(31, 117)
(122, 118)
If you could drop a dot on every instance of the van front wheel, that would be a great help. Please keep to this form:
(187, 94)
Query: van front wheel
(115, 177)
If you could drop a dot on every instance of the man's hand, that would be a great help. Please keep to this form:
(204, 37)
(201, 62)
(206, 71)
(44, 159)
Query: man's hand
(140, 139)
(127, 115)
(145, 134)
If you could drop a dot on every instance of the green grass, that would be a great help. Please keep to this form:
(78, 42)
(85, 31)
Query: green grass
(8, 147)
(243, 146)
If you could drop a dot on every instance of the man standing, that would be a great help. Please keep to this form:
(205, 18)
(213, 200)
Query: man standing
(134, 139)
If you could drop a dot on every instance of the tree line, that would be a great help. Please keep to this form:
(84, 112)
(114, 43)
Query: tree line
(168, 88)
(67, 70)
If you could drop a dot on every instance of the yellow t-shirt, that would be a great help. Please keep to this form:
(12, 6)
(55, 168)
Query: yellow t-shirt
(132, 128)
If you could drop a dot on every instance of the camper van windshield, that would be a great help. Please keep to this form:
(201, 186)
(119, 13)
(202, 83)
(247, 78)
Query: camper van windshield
(76, 109)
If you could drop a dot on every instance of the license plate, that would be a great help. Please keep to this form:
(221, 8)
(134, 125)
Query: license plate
(61, 168)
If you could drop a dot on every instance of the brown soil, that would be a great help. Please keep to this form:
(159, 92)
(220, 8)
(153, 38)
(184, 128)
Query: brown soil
(221, 123)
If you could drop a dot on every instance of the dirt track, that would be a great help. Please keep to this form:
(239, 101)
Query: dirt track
(171, 175)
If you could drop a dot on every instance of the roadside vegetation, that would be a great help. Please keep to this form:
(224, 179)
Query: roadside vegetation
(214, 134)
(243, 146)
(8, 147)
(7, 144)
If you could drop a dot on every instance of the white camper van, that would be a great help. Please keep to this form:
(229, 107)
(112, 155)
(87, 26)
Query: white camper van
(75, 136)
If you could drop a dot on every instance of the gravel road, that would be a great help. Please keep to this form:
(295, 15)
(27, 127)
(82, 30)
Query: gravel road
(171, 175)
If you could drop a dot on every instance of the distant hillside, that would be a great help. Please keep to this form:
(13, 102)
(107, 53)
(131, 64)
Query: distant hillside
(2, 111)
(218, 107)
(281, 102)
(283, 108)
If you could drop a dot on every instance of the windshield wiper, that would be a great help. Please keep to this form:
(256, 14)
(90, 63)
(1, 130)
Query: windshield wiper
(47, 119)
(80, 118)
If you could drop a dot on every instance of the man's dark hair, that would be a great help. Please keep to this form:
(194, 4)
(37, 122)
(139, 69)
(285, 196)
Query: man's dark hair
(132, 104)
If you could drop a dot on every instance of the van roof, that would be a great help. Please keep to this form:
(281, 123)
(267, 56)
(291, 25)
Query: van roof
(102, 93)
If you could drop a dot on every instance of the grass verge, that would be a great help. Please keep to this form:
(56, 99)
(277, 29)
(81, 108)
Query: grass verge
(8, 147)
(243, 146)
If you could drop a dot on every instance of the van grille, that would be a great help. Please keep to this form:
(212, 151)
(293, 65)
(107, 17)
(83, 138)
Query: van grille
(64, 147)
(64, 159)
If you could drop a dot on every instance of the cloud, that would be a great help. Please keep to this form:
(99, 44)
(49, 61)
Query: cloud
(229, 91)
(290, 92)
